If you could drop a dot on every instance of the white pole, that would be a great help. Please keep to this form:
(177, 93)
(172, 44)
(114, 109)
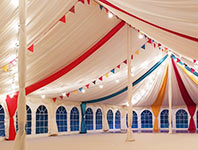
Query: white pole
(20, 142)
(130, 137)
(170, 96)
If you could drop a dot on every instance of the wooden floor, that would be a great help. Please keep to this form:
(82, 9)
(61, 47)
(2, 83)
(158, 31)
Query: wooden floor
(111, 141)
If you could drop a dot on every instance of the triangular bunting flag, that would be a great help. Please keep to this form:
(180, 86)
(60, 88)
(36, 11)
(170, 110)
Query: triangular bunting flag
(125, 61)
(87, 86)
(194, 61)
(192, 70)
(178, 60)
(61, 97)
(13, 62)
(143, 46)
(113, 70)
(118, 66)
(159, 44)
(72, 9)
(82, 1)
(5, 68)
(100, 78)
(75, 92)
(88, 1)
(101, 7)
(154, 45)
(137, 52)
(94, 82)
(63, 19)
(80, 89)
(68, 94)
(131, 57)
(107, 75)
(149, 41)
(31, 48)
(94, 3)
(54, 99)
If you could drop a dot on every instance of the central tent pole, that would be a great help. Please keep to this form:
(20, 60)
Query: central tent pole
(130, 137)
(170, 96)
(20, 142)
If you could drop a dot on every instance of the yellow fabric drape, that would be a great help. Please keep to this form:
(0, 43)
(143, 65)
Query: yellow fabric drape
(158, 102)
(192, 77)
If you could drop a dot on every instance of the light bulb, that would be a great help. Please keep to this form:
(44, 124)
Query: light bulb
(117, 81)
(110, 15)
(43, 96)
(64, 94)
(101, 86)
(140, 36)
(83, 90)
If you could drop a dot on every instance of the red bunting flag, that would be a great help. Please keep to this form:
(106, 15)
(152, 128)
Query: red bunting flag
(149, 41)
(159, 44)
(118, 66)
(154, 45)
(192, 70)
(72, 9)
(100, 78)
(131, 57)
(13, 62)
(31, 48)
(125, 61)
(82, 1)
(54, 99)
(194, 61)
(63, 19)
(88, 1)
(178, 60)
(67, 94)
(87, 86)
(61, 97)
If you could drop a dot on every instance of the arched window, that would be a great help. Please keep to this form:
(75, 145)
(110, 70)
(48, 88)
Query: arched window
(181, 119)
(41, 120)
(28, 127)
(164, 119)
(110, 118)
(135, 120)
(2, 125)
(98, 119)
(117, 120)
(74, 119)
(61, 119)
(146, 119)
(89, 119)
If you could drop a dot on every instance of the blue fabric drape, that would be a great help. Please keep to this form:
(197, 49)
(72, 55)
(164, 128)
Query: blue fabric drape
(83, 129)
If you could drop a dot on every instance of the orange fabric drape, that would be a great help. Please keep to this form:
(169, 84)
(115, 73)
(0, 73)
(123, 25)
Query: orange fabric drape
(158, 102)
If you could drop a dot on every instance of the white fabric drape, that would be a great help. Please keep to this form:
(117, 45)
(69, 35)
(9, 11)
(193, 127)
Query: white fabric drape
(105, 126)
(177, 15)
(20, 142)
(170, 97)
(130, 115)
(53, 130)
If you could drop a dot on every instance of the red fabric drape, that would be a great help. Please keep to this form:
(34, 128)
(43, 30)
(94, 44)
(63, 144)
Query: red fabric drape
(187, 99)
(75, 63)
(12, 106)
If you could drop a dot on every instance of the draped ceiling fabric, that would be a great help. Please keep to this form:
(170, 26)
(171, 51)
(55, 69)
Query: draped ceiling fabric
(173, 15)
(87, 26)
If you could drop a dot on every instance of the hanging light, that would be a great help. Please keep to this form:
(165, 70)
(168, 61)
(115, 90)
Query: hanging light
(110, 15)
(43, 96)
(117, 81)
(101, 86)
(83, 90)
(15, 3)
(64, 94)
(140, 35)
